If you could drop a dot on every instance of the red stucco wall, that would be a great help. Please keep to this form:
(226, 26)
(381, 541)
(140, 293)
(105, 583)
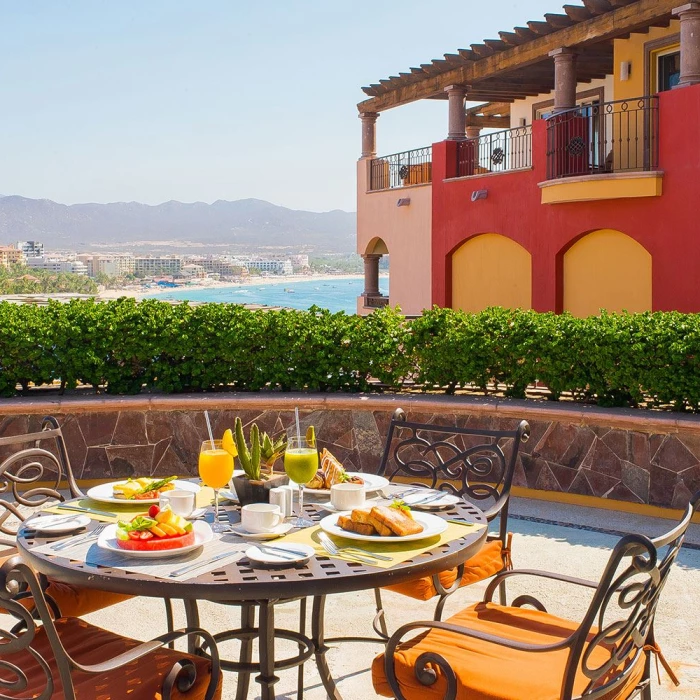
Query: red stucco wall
(667, 226)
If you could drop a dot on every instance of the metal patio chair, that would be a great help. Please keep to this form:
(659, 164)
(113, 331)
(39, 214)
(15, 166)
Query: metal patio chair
(68, 658)
(35, 477)
(476, 464)
(516, 653)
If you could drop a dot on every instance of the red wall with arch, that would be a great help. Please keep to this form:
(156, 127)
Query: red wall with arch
(667, 226)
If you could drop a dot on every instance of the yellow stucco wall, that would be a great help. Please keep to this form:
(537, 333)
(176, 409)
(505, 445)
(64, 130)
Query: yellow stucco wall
(632, 50)
(406, 232)
(596, 187)
(606, 270)
(491, 270)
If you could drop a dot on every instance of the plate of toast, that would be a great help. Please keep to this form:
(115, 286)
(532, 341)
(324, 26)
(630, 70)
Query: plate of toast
(332, 472)
(383, 524)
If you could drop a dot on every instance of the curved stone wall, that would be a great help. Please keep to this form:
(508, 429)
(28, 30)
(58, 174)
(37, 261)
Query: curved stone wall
(637, 456)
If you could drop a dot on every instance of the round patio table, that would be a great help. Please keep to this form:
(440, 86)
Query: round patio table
(247, 585)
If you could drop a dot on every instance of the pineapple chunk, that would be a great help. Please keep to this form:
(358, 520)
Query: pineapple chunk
(165, 516)
(168, 529)
(158, 532)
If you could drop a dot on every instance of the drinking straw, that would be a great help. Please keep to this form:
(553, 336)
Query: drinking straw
(296, 415)
(211, 434)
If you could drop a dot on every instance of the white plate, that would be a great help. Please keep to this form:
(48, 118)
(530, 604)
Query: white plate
(104, 492)
(262, 557)
(196, 513)
(372, 483)
(445, 501)
(280, 530)
(432, 526)
(57, 524)
(108, 541)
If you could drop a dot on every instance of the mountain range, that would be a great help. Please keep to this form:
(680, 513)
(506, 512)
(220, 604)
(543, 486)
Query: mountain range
(245, 224)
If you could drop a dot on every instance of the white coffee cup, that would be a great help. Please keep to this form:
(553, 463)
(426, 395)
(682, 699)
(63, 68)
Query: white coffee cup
(259, 518)
(347, 496)
(181, 502)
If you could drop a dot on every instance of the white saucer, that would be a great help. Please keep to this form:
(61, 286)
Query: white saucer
(57, 524)
(269, 557)
(196, 513)
(280, 530)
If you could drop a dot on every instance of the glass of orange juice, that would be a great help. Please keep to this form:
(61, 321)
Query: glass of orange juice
(215, 470)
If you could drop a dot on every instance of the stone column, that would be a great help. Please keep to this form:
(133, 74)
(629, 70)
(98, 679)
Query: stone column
(473, 132)
(564, 79)
(689, 16)
(369, 133)
(371, 274)
(457, 123)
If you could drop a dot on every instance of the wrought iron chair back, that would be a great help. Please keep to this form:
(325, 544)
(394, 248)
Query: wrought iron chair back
(473, 463)
(620, 617)
(49, 470)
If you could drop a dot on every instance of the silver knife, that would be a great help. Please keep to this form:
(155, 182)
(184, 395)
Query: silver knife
(196, 565)
(428, 499)
(280, 552)
(80, 509)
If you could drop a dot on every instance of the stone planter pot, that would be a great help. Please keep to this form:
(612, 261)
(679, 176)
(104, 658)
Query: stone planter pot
(249, 491)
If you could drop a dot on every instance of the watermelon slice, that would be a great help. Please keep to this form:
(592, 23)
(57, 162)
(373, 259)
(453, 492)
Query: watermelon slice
(158, 543)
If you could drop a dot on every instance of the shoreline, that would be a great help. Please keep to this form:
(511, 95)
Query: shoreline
(198, 285)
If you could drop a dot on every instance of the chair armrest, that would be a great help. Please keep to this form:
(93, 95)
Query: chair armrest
(182, 672)
(499, 578)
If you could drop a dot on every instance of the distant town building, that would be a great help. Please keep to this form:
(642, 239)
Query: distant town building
(30, 249)
(225, 266)
(193, 271)
(51, 264)
(299, 260)
(110, 265)
(278, 267)
(11, 256)
(152, 266)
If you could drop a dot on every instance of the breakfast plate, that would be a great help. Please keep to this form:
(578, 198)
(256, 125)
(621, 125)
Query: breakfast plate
(372, 483)
(432, 526)
(108, 542)
(104, 493)
(57, 524)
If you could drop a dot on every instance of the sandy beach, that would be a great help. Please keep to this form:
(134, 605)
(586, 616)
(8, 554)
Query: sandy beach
(137, 292)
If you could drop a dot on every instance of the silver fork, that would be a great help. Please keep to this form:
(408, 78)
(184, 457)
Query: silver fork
(361, 554)
(92, 535)
(402, 494)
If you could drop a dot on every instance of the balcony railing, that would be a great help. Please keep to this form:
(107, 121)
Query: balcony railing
(402, 169)
(608, 137)
(376, 302)
(510, 149)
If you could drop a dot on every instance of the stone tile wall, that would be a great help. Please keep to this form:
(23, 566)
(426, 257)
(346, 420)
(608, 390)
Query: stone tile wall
(637, 456)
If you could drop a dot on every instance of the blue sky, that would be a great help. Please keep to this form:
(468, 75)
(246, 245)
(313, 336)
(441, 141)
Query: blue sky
(121, 100)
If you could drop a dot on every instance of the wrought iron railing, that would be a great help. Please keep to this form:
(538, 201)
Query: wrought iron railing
(402, 169)
(510, 149)
(607, 137)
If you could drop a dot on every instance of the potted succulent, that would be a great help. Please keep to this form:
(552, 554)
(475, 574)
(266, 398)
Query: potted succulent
(257, 461)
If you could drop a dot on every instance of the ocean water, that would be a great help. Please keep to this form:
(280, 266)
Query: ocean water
(334, 295)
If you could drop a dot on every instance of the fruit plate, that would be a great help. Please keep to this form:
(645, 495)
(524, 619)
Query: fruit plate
(104, 492)
(432, 526)
(372, 483)
(108, 542)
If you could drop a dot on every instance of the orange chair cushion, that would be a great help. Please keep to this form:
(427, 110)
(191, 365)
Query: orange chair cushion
(488, 671)
(73, 601)
(87, 644)
(487, 563)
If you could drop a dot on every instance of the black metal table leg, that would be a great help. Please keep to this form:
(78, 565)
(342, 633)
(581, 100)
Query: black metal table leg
(302, 631)
(266, 638)
(246, 653)
(317, 635)
(192, 617)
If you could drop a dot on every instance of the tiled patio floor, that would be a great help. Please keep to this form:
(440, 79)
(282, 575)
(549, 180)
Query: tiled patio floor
(579, 546)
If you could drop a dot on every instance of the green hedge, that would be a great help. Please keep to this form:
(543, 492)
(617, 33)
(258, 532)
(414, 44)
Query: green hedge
(123, 346)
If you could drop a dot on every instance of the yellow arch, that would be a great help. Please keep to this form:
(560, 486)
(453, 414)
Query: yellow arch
(376, 246)
(491, 270)
(606, 269)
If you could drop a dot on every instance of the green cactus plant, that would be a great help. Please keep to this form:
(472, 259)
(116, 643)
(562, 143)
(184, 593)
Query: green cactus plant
(262, 450)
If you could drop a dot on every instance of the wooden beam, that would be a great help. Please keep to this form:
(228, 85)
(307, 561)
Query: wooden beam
(590, 32)
(487, 122)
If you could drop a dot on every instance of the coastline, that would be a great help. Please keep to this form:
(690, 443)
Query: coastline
(139, 293)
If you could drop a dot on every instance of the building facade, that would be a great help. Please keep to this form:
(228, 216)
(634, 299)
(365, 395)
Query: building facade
(569, 186)
(154, 266)
(277, 267)
(58, 264)
(11, 256)
(30, 249)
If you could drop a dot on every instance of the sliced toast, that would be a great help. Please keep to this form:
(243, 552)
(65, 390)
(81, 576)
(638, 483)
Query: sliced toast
(395, 520)
(346, 523)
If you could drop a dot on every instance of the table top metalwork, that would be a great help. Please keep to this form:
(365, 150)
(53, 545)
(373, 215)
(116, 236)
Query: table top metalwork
(244, 581)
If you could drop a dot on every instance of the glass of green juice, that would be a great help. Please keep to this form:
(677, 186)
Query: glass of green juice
(301, 465)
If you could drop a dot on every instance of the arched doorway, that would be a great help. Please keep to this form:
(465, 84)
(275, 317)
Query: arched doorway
(375, 257)
(491, 270)
(606, 269)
